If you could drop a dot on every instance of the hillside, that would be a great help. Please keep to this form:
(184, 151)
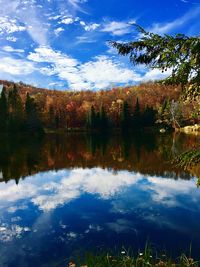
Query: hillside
(69, 109)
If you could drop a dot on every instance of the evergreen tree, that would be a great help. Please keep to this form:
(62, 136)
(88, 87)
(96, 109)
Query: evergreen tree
(137, 115)
(3, 111)
(33, 123)
(103, 119)
(91, 119)
(16, 114)
(97, 121)
(57, 119)
(164, 116)
(125, 117)
(148, 117)
(179, 53)
(51, 117)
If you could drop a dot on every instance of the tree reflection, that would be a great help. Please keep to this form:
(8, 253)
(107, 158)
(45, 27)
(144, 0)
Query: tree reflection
(145, 153)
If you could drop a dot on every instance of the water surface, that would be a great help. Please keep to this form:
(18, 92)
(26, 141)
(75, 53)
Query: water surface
(63, 195)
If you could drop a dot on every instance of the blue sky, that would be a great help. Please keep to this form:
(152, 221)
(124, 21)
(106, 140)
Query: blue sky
(63, 44)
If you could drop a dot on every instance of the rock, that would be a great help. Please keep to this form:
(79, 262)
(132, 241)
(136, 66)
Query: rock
(162, 130)
(71, 264)
(194, 129)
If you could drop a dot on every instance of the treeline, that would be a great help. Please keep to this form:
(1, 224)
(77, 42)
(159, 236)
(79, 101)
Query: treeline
(24, 155)
(26, 108)
(16, 116)
(128, 119)
(25, 116)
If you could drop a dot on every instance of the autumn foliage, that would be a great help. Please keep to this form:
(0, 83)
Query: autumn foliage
(70, 109)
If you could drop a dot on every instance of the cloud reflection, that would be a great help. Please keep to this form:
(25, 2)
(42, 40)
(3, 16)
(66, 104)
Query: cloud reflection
(8, 232)
(50, 189)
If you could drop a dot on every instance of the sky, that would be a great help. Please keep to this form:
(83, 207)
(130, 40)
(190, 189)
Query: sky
(64, 44)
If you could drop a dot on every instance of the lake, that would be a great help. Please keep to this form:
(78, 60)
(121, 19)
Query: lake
(63, 195)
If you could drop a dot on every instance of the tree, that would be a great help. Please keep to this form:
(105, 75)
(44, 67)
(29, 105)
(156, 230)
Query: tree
(91, 118)
(170, 114)
(15, 106)
(3, 111)
(179, 53)
(125, 117)
(164, 116)
(103, 119)
(51, 117)
(33, 123)
(148, 117)
(137, 115)
(176, 114)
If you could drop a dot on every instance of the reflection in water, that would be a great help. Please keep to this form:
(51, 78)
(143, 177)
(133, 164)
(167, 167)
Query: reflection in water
(77, 193)
(50, 189)
(25, 156)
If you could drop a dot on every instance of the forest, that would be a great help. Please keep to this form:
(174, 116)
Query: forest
(24, 108)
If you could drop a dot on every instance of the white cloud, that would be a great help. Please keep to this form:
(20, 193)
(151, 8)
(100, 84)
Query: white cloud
(76, 4)
(16, 66)
(92, 27)
(58, 31)
(86, 26)
(112, 50)
(99, 73)
(8, 26)
(104, 72)
(47, 54)
(56, 85)
(162, 28)
(117, 28)
(54, 17)
(82, 23)
(8, 48)
(156, 74)
(89, 27)
(85, 39)
(7, 7)
(11, 39)
(67, 21)
(35, 26)
(26, 16)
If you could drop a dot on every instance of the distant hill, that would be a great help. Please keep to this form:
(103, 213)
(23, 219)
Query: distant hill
(148, 93)
(70, 108)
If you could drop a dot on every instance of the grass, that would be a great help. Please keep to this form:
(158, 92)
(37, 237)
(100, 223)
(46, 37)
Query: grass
(190, 161)
(145, 258)
(188, 158)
